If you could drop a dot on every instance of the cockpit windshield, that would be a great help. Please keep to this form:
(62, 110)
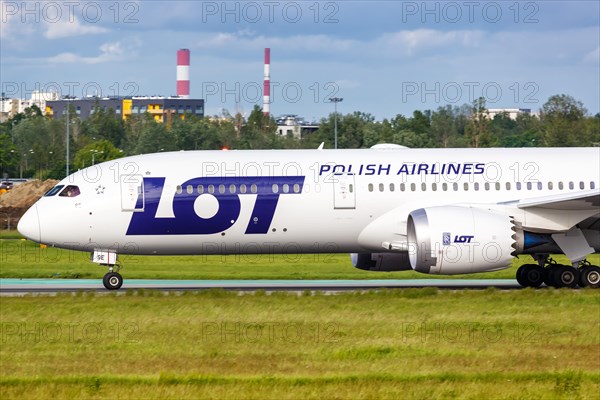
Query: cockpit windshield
(70, 191)
(54, 190)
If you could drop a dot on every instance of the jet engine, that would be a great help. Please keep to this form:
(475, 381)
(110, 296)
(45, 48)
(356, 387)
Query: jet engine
(452, 240)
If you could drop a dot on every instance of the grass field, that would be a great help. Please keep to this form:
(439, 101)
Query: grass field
(414, 343)
(25, 259)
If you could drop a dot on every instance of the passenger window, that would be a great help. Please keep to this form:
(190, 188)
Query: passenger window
(540, 186)
(466, 186)
(518, 185)
(434, 187)
(54, 190)
(571, 185)
(381, 187)
(507, 185)
(370, 187)
(413, 187)
(444, 186)
(528, 185)
(402, 187)
(286, 188)
(179, 189)
(550, 185)
(200, 189)
(297, 188)
(254, 188)
(211, 189)
(592, 185)
(423, 186)
(455, 186)
(232, 189)
(581, 185)
(275, 188)
(221, 189)
(497, 185)
(392, 188)
(561, 186)
(242, 188)
(476, 186)
(190, 189)
(70, 191)
(487, 186)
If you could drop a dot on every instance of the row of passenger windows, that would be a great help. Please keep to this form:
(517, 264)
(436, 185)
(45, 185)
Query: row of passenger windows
(477, 186)
(233, 189)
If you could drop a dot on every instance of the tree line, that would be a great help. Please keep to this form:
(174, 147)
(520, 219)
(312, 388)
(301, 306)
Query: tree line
(33, 145)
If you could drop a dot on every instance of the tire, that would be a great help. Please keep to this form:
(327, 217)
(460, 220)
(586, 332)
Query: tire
(534, 275)
(112, 281)
(566, 277)
(520, 273)
(530, 275)
(549, 276)
(589, 276)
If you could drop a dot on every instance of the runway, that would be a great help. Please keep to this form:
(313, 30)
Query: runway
(23, 286)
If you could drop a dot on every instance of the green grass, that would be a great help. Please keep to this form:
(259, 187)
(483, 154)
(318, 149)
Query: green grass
(25, 259)
(414, 343)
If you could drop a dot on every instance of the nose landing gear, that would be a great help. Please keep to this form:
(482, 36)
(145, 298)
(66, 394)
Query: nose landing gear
(113, 280)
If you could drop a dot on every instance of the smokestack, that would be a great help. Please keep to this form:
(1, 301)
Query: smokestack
(267, 85)
(183, 73)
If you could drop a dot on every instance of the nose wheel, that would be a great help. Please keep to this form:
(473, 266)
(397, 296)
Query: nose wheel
(112, 281)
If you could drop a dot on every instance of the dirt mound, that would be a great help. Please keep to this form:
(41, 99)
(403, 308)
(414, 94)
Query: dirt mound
(14, 203)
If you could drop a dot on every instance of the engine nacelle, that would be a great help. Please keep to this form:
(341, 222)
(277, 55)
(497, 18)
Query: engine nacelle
(381, 261)
(453, 240)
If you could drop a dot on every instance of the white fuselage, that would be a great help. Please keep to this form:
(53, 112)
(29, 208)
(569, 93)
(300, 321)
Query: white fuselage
(290, 201)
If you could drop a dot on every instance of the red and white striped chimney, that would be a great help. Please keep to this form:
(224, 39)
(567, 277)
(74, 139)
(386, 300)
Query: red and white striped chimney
(183, 73)
(267, 84)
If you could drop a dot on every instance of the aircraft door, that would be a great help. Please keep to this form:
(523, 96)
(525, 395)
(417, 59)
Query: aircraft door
(344, 192)
(132, 193)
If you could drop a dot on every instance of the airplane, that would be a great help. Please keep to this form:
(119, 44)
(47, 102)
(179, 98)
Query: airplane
(435, 211)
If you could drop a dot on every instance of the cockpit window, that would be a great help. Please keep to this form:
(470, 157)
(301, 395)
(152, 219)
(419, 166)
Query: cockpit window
(70, 191)
(54, 190)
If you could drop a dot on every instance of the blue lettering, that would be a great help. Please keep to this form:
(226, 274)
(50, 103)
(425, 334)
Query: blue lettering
(187, 222)
(463, 239)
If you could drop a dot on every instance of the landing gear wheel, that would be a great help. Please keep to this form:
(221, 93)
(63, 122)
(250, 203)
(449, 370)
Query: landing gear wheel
(530, 275)
(565, 276)
(112, 281)
(589, 276)
(549, 279)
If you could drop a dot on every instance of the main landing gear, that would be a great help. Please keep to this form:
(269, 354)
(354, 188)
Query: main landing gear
(113, 280)
(556, 275)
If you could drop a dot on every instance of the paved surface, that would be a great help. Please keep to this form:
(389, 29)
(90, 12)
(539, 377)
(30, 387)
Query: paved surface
(13, 286)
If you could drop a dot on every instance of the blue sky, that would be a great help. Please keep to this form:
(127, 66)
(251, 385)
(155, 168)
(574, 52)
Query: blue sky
(382, 57)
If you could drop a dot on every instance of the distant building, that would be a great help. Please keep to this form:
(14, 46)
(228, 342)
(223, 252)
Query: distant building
(512, 113)
(161, 108)
(10, 107)
(293, 125)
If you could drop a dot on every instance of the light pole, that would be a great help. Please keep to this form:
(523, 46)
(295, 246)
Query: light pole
(335, 100)
(94, 152)
(68, 135)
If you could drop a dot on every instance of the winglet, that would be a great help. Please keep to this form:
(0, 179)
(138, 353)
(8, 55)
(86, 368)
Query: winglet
(321, 146)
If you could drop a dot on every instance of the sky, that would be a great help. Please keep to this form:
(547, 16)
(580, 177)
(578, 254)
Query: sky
(382, 57)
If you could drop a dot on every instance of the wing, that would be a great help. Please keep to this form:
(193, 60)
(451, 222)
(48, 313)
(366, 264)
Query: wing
(558, 213)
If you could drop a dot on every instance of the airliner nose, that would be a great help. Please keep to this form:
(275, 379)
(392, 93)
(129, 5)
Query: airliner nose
(29, 225)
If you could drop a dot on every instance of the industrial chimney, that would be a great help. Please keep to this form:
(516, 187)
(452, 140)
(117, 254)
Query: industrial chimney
(267, 84)
(183, 73)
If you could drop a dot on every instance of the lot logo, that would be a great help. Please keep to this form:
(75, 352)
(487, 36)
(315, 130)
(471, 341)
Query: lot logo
(447, 237)
(227, 192)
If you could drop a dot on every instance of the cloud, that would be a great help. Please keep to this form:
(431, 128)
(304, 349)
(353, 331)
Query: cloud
(593, 56)
(109, 52)
(72, 27)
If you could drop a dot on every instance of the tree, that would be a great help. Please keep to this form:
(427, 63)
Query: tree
(563, 122)
(95, 153)
(478, 130)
